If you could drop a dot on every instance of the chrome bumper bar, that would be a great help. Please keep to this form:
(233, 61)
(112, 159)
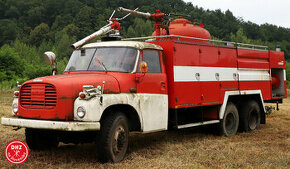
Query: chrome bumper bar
(51, 125)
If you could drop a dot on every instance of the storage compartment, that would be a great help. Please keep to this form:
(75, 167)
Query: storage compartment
(278, 79)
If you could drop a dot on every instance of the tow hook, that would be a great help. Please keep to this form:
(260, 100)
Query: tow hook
(269, 109)
(16, 128)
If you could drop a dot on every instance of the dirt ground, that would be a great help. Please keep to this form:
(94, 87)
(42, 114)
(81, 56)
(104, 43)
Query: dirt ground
(268, 147)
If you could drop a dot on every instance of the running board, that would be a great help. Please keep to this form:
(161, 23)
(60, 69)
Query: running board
(197, 124)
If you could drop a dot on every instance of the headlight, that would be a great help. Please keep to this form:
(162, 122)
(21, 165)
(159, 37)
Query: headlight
(81, 112)
(15, 108)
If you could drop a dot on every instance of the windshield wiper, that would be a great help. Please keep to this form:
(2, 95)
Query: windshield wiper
(101, 63)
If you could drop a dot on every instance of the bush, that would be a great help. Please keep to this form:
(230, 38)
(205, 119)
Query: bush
(11, 65)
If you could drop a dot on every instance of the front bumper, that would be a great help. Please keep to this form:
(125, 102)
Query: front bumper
(51, 125)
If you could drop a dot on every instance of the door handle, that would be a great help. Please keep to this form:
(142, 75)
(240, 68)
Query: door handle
(163, 86)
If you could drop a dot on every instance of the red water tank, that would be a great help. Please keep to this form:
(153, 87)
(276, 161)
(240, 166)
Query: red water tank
(184, 27)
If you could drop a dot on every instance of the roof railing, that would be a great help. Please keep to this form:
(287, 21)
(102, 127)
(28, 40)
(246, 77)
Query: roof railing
(209, 41)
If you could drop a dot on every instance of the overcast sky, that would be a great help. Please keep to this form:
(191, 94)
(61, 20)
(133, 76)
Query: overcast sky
(275, 12)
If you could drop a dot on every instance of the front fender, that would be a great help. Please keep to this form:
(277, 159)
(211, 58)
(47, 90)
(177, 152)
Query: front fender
(94, 107)
(152, 109)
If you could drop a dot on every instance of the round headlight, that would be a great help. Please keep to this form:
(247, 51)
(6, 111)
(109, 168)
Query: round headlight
(81, 112)
(15, 108)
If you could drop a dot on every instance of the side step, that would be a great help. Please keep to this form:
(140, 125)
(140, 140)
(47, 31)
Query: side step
(197, 124)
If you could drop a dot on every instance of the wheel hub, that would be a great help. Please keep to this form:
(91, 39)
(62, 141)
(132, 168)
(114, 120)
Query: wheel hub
(253, 119)
(230, 122)
(119, 140)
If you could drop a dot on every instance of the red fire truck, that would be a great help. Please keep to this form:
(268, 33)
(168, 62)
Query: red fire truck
(174, 79)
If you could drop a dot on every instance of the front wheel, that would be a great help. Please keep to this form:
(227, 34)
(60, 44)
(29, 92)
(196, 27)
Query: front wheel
(230, 123)
(114, 137)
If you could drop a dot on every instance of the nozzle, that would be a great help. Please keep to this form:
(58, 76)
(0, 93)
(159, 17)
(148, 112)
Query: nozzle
(146, 15)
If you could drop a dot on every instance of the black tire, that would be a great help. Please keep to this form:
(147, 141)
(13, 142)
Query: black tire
(230, 123)
(250, 116)
(41, 139)
(113, 140)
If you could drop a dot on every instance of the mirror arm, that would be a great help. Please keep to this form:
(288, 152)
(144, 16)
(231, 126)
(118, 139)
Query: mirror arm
(139, 77)
(54, 70)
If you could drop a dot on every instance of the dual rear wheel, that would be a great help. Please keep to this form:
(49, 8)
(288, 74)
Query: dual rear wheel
(247, 119)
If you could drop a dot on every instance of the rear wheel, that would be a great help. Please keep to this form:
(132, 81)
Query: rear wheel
(250, 116)
(41, 139)
(114, 137)
(230, 123)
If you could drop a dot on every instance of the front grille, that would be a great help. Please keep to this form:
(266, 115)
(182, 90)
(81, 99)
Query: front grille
(38, 96)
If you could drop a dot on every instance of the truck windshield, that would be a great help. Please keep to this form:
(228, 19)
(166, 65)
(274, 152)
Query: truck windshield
(112, 59)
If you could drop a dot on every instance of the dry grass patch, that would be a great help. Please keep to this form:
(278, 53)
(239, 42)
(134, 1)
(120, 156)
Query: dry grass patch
(190, 148)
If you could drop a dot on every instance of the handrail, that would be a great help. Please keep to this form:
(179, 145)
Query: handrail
(226, 43)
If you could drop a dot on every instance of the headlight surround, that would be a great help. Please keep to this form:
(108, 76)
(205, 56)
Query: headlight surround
(81, 112)
(15, 108)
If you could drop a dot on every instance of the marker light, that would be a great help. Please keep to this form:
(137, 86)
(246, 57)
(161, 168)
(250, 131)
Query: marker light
(16, 93)
(82, 95)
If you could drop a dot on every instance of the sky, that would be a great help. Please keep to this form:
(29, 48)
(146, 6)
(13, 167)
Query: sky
(275, 12)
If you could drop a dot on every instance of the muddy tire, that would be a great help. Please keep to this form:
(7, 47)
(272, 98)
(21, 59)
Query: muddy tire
(230, 123)
(250, 116)
(41, 139)
(113, 140)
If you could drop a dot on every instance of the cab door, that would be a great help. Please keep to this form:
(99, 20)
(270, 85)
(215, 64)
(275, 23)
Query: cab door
(152, 91)
(154, 81)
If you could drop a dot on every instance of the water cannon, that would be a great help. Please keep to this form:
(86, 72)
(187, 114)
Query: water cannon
(146, 15)
(113, 25)
(158, 17)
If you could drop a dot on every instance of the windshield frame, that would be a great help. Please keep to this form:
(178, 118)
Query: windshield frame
(96, 48)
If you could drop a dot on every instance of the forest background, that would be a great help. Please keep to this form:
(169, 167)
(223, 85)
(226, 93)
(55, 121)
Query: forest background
(28, 28)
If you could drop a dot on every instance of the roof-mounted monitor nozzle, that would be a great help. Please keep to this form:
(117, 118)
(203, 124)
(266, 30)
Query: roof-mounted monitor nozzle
(158, 17)
(113, 25)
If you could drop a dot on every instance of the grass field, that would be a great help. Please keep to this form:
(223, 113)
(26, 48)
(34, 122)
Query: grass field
(268, 147)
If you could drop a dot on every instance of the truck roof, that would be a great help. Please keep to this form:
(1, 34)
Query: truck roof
(133, 44)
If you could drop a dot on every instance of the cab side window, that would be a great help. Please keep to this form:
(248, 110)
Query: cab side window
(151, 57)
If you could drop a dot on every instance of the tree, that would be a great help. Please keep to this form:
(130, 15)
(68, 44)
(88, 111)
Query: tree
(39, 33)
(62, 45)
(84, 21)
(131, 32)
(26, 52)
(71, 30)
(36, 15)
(240, 37)
(8, 31)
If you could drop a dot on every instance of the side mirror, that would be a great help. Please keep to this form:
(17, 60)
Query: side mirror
(143, 67)
(50, 58)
